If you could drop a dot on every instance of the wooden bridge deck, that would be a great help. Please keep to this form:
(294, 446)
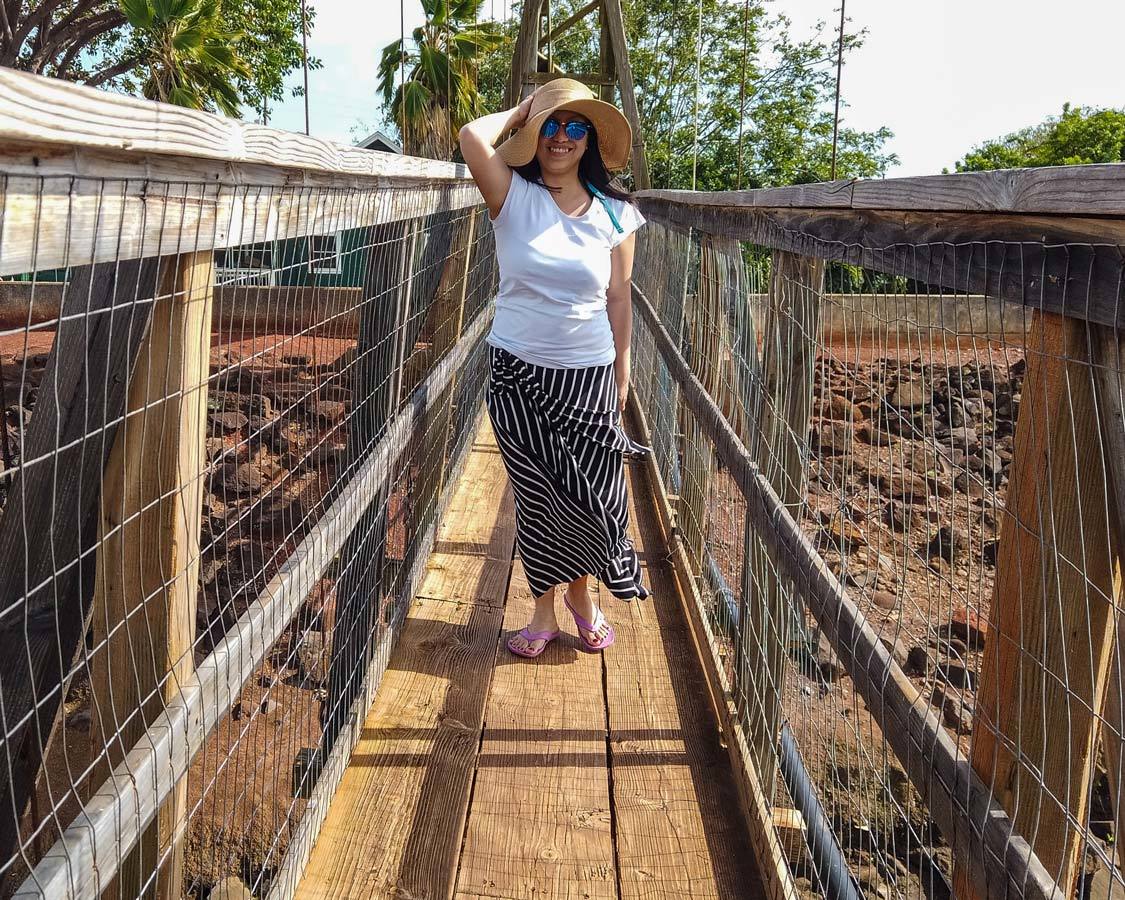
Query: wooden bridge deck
(577, 775)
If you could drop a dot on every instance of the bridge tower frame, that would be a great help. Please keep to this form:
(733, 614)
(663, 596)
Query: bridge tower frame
(533, 64)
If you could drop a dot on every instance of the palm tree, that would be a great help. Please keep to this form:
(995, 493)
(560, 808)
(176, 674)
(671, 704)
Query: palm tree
(190, 57)
(439, 94)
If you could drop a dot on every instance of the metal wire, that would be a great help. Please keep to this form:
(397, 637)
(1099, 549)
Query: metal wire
(890, 416)
(317, 344)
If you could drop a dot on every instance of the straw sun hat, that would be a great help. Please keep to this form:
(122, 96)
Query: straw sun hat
(614, 135)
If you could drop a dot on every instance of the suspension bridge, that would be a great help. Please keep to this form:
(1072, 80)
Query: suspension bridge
(257, 559)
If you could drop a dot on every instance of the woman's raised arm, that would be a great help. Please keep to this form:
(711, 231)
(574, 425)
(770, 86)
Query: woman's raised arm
(490, 172)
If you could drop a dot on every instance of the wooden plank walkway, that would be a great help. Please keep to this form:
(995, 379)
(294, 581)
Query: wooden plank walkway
(574, 776)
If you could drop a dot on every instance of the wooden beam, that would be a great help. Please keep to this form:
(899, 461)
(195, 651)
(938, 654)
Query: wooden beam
(48, 112)
(1070, 266)
(577, 16)
(782, 410)
(148, 558)
(1045, 669)
(1109, 386)
(51, 518)
(594, 79)
(89, 852)
(60, 223)
(523, 59)
(606, 63)
(959, 803)
(616, 23)
(1058, 190)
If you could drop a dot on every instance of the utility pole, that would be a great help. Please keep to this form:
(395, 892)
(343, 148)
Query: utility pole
(839, 69)
(305, 48)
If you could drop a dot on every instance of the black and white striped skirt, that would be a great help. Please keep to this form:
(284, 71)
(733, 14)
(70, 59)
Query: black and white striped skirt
(559, 432)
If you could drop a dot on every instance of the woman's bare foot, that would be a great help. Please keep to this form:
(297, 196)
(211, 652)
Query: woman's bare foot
(579, 598)
(543, 620)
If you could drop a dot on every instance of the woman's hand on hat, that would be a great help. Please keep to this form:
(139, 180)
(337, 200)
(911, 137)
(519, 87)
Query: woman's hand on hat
(521, 112)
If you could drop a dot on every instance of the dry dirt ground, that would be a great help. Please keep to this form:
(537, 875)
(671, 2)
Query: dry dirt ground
(905, 494)
(276, 446)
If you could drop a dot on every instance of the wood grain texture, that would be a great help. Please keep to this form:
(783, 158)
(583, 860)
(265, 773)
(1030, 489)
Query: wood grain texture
(148, 559)
(677, 809)
(1057, 190)
(784, 408)
(525, 53)
(1109, 385)
(89, 851)
(1046, 663)
(59, 222)
(395, 825)
(961, 805)
(770, 851)
(52, 112)
(540, 823)
(51, 518)
(1068, 265)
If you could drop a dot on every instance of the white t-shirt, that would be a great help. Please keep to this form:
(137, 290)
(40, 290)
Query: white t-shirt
(554, 271)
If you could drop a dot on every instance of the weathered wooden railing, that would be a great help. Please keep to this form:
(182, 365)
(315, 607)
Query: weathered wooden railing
(901, 516)
(887, 428)
(216, 501)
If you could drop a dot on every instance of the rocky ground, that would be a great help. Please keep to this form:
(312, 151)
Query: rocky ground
(275, 447)
(910, 464)
(910, 460)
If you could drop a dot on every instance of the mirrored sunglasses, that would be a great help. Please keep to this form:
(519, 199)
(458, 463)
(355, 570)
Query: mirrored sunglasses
(575, 130)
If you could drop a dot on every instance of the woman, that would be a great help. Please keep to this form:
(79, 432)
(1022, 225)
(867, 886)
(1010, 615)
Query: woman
(559, 346)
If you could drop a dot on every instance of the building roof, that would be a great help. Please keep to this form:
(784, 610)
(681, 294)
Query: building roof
(377, 140)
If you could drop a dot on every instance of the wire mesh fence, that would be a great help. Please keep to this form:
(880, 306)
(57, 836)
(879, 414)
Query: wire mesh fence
(948, 596)
(223, 463)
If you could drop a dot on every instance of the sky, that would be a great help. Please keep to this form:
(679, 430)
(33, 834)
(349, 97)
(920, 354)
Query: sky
(943, 75)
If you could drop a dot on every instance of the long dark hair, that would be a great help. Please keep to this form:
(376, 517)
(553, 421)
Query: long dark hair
(591, 170)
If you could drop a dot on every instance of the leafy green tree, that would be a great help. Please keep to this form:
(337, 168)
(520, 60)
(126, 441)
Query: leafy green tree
(190, 58)
(93, 42)
(439, 93)
(785, 110)
(1080, 135)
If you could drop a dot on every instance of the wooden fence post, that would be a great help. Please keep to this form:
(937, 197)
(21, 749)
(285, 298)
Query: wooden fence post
(451, 321)
(1046, 661)
(784, 405)
(701, 324)
(44, 629)
(147, 578)
(1109, 386)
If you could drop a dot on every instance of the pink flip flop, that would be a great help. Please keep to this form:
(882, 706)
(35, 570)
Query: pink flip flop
(529, 636)
(592, 628)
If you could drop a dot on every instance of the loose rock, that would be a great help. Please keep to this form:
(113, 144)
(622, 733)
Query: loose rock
(911, 393)
(884, 600)
(227, 422)
(947, 543)
(967, 625)
(957, 676)
(327, 411)
(918, 661)
(958, 715)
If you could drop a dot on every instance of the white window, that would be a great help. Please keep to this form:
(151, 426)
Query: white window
(249, 264)
(324, 254)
